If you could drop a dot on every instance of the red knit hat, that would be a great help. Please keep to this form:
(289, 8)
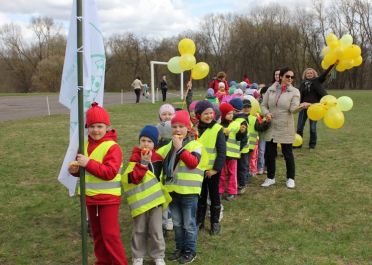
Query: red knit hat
(182, 117)
(225, 108)
(97, 114)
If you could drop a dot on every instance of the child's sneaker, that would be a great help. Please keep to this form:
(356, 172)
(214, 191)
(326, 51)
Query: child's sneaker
(260, 172)
(159, 262)
(290, 183)
(138, 261)
(175, 255)
(230, 197)
(187, 258)
(241, 190)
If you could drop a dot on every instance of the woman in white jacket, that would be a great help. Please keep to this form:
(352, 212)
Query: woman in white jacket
(279, 104)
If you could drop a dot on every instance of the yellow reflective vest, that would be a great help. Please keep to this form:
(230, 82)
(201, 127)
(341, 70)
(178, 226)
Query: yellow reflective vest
(232, 145)
(186, 180)
(253, 134)
(94, 185)
(145, 195)
(209, 139)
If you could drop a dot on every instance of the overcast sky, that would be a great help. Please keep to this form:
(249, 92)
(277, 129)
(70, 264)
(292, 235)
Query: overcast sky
(153, 18)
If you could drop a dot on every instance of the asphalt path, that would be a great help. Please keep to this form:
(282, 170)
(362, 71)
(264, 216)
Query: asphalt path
(24, 107)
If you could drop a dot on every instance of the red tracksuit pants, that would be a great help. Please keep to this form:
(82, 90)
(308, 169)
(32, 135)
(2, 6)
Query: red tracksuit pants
(104, 222)
(229, 177)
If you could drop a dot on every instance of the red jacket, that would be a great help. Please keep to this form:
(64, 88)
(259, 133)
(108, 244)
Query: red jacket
(214, 85)
(107, 170)
(139, 170)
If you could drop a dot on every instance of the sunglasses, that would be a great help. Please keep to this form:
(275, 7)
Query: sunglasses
(289, 76)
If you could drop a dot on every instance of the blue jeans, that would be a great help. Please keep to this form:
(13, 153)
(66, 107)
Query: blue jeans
(261, 152)
(302, 117)
(183, 208)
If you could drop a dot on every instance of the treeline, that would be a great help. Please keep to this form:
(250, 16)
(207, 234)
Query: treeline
(253, 44)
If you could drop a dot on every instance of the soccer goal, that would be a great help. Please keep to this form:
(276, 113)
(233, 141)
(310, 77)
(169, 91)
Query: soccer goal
(152, 63)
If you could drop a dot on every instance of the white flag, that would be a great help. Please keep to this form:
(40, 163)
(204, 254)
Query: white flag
(94, 79)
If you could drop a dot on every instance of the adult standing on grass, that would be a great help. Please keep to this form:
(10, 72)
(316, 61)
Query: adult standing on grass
(279, 103)
(164, 87)
(102, 160)
(137, 86)
(312, 91)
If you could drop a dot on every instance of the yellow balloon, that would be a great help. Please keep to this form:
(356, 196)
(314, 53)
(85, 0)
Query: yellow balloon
(357, 61)
(297, 141)
(255, 105)
(330, 58)
(331, 38)
(346, 40)
(334, 44)
(316, 111)
(340, 68)
(200, 71)
(186, 46)
(187, 62)
(334, 118)
(328, 101)
(325, 65)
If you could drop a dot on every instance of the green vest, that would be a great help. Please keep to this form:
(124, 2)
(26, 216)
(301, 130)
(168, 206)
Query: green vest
(185, 180)
(209, 139)
(145, 195)
(232, 145)
(253, 134)
(96, 186)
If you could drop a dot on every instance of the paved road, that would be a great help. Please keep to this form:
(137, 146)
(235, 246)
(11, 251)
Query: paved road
(23, 107)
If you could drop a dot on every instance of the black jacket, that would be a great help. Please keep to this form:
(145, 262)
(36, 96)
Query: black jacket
(312, 90)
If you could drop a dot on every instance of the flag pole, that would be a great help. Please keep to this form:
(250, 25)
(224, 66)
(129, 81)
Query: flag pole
(80, 50)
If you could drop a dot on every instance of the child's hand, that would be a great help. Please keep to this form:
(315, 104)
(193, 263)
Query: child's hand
(177, 142)
(269, 117)
(82, 160)
(73, 167)
(226, 131)
(210, 173)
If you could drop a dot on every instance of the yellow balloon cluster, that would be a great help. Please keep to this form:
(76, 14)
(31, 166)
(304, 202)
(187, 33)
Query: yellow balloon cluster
(187, 61)
(341, 51)
(331, 110)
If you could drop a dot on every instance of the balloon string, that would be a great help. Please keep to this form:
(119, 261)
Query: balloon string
(187, 90)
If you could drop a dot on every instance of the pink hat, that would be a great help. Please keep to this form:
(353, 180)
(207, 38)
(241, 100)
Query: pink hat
(166, 108)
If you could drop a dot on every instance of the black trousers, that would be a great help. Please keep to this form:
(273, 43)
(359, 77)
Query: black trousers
(138, 94)
(210, 185)
(164, 93)
(270, 157)
(242, 169)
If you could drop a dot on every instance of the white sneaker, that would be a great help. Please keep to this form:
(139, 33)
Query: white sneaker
(268, 182)
(290, 183)
(159, 262)
(169, 225)
(138, 261)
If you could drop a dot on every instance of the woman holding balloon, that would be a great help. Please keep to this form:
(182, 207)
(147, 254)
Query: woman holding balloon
(279, 103)
(312, 91)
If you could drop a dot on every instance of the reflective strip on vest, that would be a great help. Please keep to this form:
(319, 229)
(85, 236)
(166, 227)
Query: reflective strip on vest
(184, 169)
(139, 203)
(232, 146)
(142, 187)
(94, 185)
(253, 135)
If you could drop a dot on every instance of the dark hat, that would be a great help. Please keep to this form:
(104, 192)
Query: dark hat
(237, 103)
(247, 103)
(202, 105)
(151, 132)
(97, 114)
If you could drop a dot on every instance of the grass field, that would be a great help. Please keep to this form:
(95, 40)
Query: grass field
(326, 220)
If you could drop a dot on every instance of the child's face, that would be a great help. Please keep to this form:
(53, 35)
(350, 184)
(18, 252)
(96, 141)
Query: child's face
(179, 129)
(229, 116)
(97, 130)
(221, 89)
(166, 116)
(247, 110)
(207, 115)
(146, 142)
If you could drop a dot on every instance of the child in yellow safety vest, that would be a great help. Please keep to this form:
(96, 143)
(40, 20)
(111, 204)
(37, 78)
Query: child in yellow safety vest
(146, 198)
(102, 160)
(183, 175)
(236, 134)
(255, 125)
